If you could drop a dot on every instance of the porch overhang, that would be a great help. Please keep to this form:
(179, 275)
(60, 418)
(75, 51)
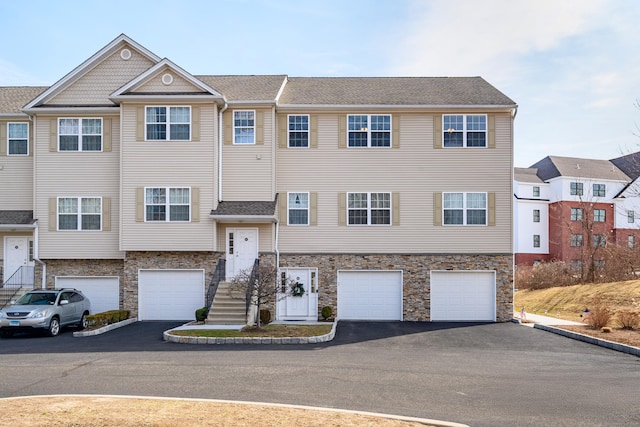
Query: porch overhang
(244, 218)
(17, 221)
(247, 211)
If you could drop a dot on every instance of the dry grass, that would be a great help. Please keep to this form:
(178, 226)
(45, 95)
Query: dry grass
(622, 336)
(124, 412)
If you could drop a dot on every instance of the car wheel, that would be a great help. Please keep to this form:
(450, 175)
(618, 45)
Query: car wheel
(84, 323)
(6, 334)
(54, 327)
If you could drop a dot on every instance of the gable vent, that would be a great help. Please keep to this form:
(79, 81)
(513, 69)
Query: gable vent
(167, 79)
(125, 54)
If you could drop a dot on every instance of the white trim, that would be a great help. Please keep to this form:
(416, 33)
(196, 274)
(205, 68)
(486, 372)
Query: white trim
(401, 289)
(168, 123)
(308, 131)
(9, 139)
(465, 208)
(125, 54)
(466, 131)
(168, 204)
(493, 296)
(167, 79)
(308, 208)
(369, 131)
(78, 213)
(369, 208)
(80, 134)
(233, 126)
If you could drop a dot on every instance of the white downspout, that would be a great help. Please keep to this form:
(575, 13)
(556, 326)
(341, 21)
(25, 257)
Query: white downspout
(220, 144)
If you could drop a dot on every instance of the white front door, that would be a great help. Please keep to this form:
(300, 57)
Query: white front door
(242, 250)
(299, 307)
(17, 255)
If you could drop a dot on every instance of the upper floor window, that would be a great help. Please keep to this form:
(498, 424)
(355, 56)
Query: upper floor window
(631, 241)
(631, 216)
(599, 240)
(168, 123)
(167, 204)
(576, 240)
(464, 208)
(369, 208)
(599, 215)
(369, 130)
(18, 139)
(536, 191)
(298, 209)
(576, 214)
(79, 213)
(536, 240)
(464, 130)
(576, 189)
(536, 215)
(244, 127)
(298, 130)
(80, 134)
(599, 190)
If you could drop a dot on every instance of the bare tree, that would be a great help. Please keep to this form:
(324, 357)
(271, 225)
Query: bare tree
(260, 285)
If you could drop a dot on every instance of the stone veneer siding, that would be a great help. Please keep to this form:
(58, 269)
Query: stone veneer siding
(135, 261)
(84, 267)
(416, 276)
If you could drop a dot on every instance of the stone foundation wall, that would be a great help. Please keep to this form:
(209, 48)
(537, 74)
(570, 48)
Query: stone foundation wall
(163, 260)
(416, 276)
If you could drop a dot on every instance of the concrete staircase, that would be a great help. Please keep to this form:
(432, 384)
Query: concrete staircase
(227, 310)
(7, 294)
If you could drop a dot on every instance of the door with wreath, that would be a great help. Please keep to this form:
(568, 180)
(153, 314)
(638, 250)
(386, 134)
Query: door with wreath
(298, 294)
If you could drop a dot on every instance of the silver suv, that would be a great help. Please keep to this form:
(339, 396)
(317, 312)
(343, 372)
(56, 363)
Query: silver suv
(45, 309)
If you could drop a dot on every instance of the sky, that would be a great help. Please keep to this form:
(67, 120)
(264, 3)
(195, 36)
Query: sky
(572, 66)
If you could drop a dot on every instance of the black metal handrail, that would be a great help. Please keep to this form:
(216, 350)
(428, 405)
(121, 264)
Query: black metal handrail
(7, 295)
(252, 283)
(25, 275)
(218, 276)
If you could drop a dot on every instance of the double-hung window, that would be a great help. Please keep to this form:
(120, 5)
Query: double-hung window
(169, 204)
(79, 134)
(536, 191)
(576, 214)
(536, 215)
(599, 215)
(576, 188)
(18, 139)
(298, 130)
(576, 240)
(464, 208)
(631, 216)
(168, 123)
(298, 209)
(599, 190)
(599, 241)
(464, 130)
(79, 213)
(244, 127)
(631, 241)
(368, 130)
(536, 240)
(369, 208)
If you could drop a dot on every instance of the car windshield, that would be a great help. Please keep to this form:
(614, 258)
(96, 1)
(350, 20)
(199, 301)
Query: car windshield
(37, 298)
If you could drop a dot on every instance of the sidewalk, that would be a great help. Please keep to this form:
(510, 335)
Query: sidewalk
(543, 320)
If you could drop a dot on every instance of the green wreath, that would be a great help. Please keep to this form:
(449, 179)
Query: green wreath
(297, 290)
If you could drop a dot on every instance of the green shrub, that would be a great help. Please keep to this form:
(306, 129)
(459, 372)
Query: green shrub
(265, 317)
(326, 312)
(201, 314)
(107, 317)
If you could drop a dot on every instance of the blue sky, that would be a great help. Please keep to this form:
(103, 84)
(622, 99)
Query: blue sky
(572, 66)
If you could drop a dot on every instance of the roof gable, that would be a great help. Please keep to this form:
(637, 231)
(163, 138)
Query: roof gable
(93, 80)
(556, 166)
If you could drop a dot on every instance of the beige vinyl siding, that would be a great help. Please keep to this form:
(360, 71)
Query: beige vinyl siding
(265, 235)
(248, 168)
(77, 174)
(179, 84)
(168, 164)
(95, 87)
(16, 175)
(415, 171)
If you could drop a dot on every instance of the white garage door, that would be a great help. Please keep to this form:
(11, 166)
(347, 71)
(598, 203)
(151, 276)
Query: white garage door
(170, 294)
(463, 296)
(103, 292)
(370, 295)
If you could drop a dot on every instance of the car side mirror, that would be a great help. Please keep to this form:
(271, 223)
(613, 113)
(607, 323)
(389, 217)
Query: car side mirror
(63, 302)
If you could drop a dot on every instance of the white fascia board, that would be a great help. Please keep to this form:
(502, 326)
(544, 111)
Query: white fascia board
(73, 110)
(18, 227)
(17, 116)
(439, 108)
(244, 218)
(251, 102)
(88, 65)
(282, 86)
(155, 70)
(165, 98)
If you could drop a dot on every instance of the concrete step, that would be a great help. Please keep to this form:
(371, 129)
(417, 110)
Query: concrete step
(227, 309)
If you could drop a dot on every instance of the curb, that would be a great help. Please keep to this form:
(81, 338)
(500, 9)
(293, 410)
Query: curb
(426, 421)
(105, 328)
(168, 336)
(634, 351)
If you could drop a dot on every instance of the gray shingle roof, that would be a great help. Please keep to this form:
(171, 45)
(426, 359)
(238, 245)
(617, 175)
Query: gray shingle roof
(16, 217)
(246, 88)
(526, 175)
(12, 99)
(433, 91)
(246, 208)
(629, 164)
(554, 166)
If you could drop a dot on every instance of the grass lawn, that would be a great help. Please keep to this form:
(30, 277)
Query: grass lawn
(277, 331)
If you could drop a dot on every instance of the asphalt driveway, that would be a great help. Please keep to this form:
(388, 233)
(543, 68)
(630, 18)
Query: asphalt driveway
(477, 374)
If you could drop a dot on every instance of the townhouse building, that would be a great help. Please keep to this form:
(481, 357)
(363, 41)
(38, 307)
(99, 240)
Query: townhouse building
(139, 183)
(566, 204)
